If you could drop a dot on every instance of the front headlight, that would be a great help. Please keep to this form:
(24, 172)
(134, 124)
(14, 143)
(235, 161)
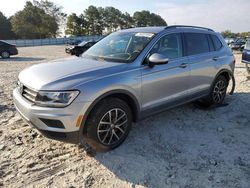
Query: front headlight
(55, 99)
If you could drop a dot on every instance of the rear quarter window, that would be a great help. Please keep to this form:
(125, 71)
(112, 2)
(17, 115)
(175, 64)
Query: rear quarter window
(196, 43)
(217, 43)
(211, 44)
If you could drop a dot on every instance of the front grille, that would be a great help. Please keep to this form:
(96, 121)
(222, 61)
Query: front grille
(29, 94)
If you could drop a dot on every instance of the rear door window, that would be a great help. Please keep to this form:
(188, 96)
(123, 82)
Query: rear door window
(196, 43)
(217, 42)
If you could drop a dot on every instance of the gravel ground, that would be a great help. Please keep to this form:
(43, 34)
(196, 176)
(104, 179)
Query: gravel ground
(182, 147)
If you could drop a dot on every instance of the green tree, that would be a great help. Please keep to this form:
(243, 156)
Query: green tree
(5, 28)
(94, 21)
(227, 34)
(245, 34)
(32, 22)
(53, 10)
(126, 21)
(75, 25)
(112, 19)
(157, 20)
(145, 18)
(99, 20)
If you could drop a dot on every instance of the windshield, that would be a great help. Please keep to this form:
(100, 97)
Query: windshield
(119, 47)
(239, 40)
(82, 43)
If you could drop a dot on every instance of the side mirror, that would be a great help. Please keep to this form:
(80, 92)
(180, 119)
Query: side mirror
(157, 59)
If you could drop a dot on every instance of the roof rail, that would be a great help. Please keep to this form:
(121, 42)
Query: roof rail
(187, 26)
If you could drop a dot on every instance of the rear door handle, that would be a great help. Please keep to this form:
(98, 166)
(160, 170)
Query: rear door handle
(215, 58)
(183, 65)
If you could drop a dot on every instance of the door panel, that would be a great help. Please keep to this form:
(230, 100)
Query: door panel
(203, 61)
(165, 83)
(203, 68)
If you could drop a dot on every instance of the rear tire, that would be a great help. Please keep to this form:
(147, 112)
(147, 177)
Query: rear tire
(5, 54)
(108, 124)
(217, 93)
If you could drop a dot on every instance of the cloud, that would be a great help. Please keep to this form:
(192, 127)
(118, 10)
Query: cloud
(216, 14)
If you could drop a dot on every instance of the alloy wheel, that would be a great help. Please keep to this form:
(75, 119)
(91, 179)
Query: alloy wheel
(5, 54)
(112, 126)
(219, 91)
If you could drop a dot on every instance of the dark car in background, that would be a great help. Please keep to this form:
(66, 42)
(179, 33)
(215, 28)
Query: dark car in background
(246, 56)
(238, 44)
(229, 40)
(80, 48)
(6, 49)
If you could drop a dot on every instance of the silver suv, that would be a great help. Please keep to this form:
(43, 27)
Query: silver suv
(125, 77)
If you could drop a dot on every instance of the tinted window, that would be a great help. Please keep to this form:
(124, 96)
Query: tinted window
(169, 45)
(210, 42)
(217, 42)
(196, 43)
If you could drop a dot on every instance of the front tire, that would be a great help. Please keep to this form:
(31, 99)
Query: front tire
(108, 124)
(5, 54)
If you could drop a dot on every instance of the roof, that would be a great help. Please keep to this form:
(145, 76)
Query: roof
(145, 29)
(161, 28)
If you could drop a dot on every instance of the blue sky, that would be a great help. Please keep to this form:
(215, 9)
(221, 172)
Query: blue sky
(216, 14)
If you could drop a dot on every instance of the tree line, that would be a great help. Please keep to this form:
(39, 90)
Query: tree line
(99, 21)
(44, 19)
(230, 34)
(38, 19)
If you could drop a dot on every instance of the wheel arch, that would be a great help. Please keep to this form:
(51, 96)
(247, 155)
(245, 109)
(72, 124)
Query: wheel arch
(224, 72)
(4, 50)
(124, 95)
(227, 74)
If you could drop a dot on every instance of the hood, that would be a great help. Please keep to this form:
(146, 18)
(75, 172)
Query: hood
(66, 73)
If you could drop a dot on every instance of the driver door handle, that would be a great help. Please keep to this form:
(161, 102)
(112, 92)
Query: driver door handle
(183, 65)
(215, 58)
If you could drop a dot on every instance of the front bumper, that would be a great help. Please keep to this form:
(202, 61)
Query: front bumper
(36, 116)
(69, 51)
(13, 51)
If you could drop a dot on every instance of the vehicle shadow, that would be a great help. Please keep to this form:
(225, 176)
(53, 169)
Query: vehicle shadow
(20, 59)
(177, 147)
